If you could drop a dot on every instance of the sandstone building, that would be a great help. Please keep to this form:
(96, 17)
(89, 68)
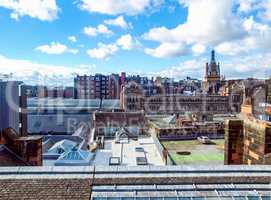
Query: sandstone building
(248, 138)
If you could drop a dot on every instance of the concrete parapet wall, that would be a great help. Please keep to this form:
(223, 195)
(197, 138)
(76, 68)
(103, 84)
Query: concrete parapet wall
(145, 175)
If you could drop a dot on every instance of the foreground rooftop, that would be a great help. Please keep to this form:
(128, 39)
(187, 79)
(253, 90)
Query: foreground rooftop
(117, 183)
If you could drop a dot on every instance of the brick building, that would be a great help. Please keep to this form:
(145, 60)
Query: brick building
(98, 86)
(108, 123)
(133, 99)
(177, 127)
(51, 92)
(248, 141)
(185, 96)
(248, 138)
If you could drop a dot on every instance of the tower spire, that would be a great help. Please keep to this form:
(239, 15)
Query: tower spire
(212, 82)
(213, 56)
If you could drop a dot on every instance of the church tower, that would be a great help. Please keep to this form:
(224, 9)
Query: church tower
(212, 81)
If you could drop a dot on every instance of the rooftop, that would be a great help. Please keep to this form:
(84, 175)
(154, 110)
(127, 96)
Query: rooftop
(71, 103)
(126, 152)
(117, 183)
(169, 121)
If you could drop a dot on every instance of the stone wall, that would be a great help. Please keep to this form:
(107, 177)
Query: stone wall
(173, 104)
(248, 141)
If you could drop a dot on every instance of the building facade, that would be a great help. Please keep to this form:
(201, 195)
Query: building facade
(13, 106)
(172, 97)
(248, 138)
(133, 99)
(108, 123)
(97, 87)
(182, 128)
(248, 141)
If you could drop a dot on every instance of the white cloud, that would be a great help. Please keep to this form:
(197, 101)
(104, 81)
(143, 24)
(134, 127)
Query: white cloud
(103, 51)
(101, 29)
(258, 39)
(167, 50)
(33, 72)
(266, 15)
(55, 48)
(230, 48)
(45, 10)
(73, 51)
(198, 49)
(261, 8)
(114, 7)
(192, 68)
(257, 66)
(119, 21)
(208, 23)
(246, 5)
(72, 38)
(126, 42)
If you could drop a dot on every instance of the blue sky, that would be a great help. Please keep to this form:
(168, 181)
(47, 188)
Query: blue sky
(49, 40)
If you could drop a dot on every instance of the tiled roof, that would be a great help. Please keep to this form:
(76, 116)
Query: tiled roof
(45, 189)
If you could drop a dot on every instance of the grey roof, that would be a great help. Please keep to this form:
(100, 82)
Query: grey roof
(71, 103)
(261, 171)
(175, 192)
(55, 123)
(148, 182)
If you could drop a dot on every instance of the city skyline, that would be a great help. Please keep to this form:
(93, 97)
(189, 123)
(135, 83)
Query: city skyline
(57, 40)
(135, 99)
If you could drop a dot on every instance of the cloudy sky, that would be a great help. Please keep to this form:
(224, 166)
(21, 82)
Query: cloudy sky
(52, 40)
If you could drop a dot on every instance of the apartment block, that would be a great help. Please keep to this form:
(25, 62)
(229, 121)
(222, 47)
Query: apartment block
(97, 87)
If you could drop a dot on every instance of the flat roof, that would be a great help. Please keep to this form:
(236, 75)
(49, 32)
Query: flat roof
(127, 153)
(261, 171)
(69, 103)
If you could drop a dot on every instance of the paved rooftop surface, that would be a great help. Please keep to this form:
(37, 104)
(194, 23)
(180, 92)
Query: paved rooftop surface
(126, 152)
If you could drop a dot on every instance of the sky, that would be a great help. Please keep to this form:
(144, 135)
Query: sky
(50, 41)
